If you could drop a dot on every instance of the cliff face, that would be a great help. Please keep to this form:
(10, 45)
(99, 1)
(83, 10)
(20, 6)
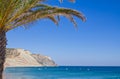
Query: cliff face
(44, 60)
(24, 58)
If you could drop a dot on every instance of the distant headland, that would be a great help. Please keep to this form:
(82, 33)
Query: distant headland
(24, 58)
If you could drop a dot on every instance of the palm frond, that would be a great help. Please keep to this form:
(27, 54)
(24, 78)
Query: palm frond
(14, 13)
(49, 12)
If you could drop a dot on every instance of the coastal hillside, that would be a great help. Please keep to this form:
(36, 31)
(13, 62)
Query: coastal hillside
(24, 58)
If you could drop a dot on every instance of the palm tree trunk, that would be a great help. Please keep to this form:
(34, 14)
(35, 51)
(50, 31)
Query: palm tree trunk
(2, 52)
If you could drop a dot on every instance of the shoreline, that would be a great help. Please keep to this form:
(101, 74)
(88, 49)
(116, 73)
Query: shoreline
(28, 66)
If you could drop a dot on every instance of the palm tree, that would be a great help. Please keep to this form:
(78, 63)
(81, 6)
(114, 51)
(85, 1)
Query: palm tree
(16, 13)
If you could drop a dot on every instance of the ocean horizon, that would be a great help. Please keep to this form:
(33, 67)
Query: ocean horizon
(63, 72)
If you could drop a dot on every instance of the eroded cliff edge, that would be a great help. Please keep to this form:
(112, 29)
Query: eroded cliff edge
(24, 58)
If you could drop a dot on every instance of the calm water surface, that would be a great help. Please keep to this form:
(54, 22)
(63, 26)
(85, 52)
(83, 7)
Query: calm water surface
(63, 72)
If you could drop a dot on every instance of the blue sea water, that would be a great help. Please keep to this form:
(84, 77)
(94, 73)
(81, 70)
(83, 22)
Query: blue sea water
(62, 72)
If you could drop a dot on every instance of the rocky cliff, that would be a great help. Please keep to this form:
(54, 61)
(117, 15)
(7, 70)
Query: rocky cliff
(24, 58)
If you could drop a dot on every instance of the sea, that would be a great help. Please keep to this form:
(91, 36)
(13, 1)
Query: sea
(63, 72)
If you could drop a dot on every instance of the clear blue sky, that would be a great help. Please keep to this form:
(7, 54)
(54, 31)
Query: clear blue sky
(97, 41)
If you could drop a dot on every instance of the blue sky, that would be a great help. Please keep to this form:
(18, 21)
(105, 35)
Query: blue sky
(96, 43)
